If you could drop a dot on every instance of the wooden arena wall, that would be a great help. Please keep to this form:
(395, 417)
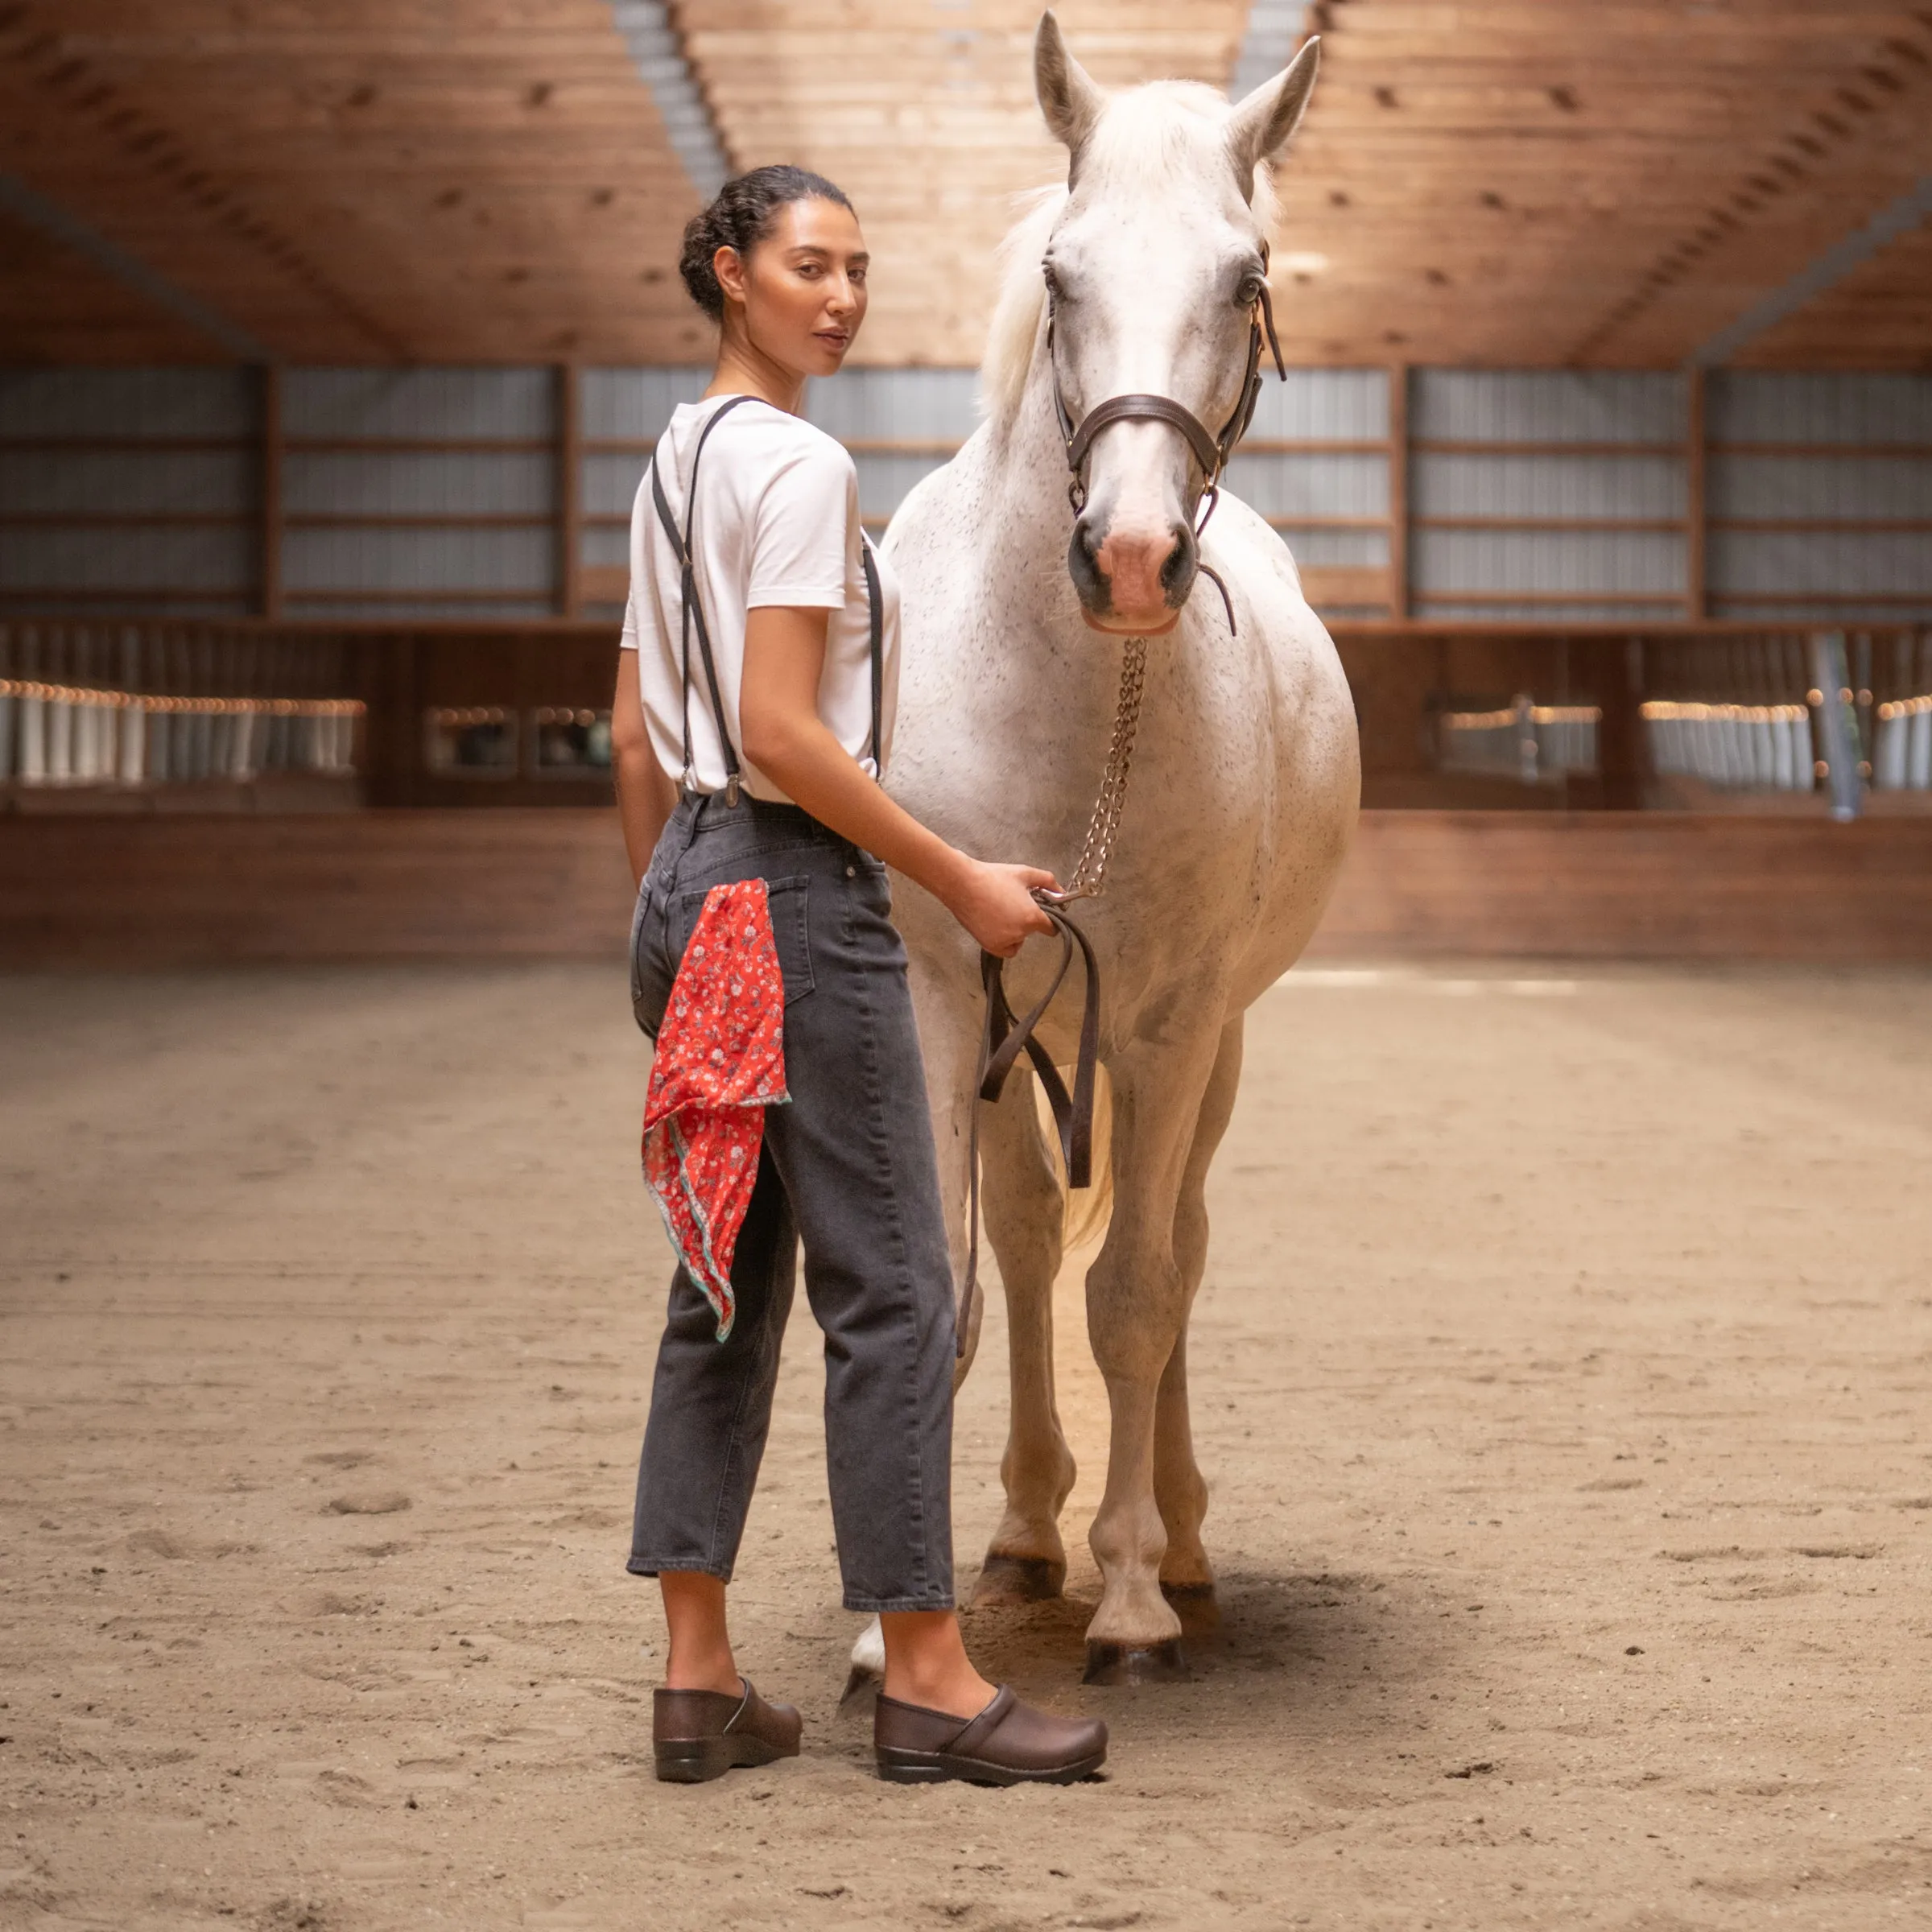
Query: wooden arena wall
(136, 893)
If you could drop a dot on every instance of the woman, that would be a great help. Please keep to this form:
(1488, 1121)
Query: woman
(757, 758)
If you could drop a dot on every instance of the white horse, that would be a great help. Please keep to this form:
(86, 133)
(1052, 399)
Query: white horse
(1242, 798)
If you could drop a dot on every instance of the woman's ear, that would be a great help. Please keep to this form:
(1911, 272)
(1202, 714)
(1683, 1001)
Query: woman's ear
(728, 265)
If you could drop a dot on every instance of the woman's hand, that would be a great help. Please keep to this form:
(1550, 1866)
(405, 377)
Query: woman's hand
(786, 740)
(995, 904)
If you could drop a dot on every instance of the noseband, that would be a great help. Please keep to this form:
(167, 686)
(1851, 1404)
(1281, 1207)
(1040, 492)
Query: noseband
(1211, 451)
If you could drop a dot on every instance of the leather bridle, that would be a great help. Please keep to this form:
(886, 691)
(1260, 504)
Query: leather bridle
(1209, 451)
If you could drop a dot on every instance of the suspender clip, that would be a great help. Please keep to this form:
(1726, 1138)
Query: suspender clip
(731, 792)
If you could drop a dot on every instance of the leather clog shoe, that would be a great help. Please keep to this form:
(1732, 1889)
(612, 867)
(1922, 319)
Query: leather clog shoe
(700, 1734)
(1008, 1742)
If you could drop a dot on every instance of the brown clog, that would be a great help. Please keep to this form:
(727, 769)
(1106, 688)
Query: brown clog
(1008, 1742)
(700, 1734)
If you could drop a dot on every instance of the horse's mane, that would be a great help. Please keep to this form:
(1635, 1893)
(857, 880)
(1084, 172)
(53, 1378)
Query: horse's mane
(1016, 313)
(1145, 139)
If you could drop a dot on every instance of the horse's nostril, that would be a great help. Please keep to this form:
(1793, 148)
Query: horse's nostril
(1177, 573)
(1084, 566)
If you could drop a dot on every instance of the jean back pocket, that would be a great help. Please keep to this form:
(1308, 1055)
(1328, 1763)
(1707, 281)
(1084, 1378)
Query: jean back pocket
(789, 901)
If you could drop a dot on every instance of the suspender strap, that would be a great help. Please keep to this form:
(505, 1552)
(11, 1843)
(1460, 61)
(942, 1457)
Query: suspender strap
(875, 600)
(693, 615)
(693, 612)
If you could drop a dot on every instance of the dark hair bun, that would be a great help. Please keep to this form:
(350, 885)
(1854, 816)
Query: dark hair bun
(740, 217)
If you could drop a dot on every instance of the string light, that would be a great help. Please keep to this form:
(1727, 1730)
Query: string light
(1537, 714)
(1665, 711)
(1906, 708)
(215, 707)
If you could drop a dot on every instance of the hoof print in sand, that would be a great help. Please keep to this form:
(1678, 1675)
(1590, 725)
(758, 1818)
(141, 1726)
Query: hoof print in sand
(368, 1502)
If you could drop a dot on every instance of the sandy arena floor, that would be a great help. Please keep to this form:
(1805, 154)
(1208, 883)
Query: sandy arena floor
(1561, 1375)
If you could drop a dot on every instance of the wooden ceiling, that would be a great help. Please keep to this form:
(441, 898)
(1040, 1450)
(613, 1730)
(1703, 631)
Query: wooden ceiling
(924, 113)
(359, 180)
(1545, 182)
(1599, 184)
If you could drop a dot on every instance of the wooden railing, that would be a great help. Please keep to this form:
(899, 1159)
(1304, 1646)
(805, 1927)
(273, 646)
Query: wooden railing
(1711, 716)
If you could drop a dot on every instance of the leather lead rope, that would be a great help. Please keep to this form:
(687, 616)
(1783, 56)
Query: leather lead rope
(1002, 1039)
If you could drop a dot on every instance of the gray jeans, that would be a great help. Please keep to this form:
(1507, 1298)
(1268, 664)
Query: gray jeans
(849, 1165)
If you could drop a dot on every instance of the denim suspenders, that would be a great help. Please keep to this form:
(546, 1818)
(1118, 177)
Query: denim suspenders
(692, 616)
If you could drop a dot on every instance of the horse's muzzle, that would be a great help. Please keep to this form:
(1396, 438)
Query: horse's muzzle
(1132, 579)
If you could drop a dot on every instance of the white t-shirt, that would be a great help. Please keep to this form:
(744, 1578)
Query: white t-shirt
(778, 523)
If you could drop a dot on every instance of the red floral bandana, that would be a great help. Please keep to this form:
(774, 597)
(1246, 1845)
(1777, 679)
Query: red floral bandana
(719, 1064)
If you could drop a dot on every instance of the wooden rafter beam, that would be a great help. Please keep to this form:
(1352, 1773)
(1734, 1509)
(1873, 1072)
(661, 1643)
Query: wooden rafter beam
(656, 45)
(128, 145)
(1833, 123)
(1897, 218)
(52, 219)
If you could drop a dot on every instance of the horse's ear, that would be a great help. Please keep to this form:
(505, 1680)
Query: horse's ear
(1258, 130)
(1070, 98)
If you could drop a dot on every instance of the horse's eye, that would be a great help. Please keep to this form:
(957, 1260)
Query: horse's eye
(1054, 289)
(1249, 292)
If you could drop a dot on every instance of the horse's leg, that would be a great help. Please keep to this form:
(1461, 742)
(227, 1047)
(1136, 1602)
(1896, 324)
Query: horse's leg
(1179, 1490)
(1136, 1303)
(1025, 1216)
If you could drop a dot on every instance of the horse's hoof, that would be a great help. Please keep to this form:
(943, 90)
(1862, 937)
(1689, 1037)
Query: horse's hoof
(1110, 1663)
(1017, 1579)
(1196, 1605)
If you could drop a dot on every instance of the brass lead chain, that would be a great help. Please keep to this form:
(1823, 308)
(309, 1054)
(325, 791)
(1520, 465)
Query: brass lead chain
(1089, 878)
